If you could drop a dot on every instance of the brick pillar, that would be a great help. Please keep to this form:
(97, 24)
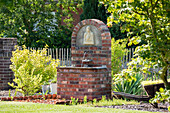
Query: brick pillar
(6, 74)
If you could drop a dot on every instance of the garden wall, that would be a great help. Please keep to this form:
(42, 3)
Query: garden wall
(6, 74)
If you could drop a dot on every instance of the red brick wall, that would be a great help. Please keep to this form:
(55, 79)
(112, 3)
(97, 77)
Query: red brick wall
(78, 82)
(6, 74)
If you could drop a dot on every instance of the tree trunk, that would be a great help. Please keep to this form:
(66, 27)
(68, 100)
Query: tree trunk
(163, 76)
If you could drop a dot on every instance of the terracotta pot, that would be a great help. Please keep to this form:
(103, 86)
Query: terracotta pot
(25, 98)
(20, 98)
(15, 98)
(45, 96)
(49, 96)
(3, 99)
(40, 96)
(54, 96)
(35, 97)
(8, 99)
(30, 97)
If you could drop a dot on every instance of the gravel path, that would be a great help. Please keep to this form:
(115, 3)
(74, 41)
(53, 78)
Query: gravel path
(141, 106)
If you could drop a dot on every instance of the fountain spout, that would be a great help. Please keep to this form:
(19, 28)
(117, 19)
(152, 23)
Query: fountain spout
(85, 61)
(83, 58)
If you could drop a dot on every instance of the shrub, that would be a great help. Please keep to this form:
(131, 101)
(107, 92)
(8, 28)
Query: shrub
(31, 69)
(162, 96)
(119, 50)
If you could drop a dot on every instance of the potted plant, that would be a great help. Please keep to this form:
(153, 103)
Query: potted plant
(45, 88)
(53, 86)
(152, 86)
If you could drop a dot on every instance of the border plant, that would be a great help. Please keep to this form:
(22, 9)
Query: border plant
(74, 101)
(161, 97)
(130, 85)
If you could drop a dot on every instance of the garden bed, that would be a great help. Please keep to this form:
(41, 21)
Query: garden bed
(57, 100)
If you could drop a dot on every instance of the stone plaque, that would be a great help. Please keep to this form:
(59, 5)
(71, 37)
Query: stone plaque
(89, 35)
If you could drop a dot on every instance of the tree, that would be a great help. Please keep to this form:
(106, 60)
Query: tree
(151, 18)
(38, 22)
(93, 10)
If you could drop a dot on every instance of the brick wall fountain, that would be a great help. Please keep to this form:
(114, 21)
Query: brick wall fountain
(90, 73)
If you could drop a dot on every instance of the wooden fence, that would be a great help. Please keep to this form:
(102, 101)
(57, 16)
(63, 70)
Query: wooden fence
(64, 55)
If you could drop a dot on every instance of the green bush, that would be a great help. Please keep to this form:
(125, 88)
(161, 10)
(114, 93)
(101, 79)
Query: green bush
(162, 96)
(119, 50)
(131, 86)
(31, 69)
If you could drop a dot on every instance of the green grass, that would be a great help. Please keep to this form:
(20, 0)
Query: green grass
(145, 83)
(22, 107)
(114, 102)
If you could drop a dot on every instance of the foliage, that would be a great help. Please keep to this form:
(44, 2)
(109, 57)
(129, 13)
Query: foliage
(9, 93)
(116, 32)
(10, 3)
(94, 101)
(126, 85)
(119, 50)
(93, 10)
(74, 101)
(31, 69)
(151, 19)
(162, 96)
(169, 108)
(36, 23)
(113, 102)
(85, 100)
(103, 98)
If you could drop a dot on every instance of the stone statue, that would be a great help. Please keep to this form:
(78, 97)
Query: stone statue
(88, 37)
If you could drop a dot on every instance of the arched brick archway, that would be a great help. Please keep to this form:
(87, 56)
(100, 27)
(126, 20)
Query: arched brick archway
(99, 53)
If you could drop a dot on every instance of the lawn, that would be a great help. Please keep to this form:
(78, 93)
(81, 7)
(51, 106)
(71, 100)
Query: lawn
(23, 107)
